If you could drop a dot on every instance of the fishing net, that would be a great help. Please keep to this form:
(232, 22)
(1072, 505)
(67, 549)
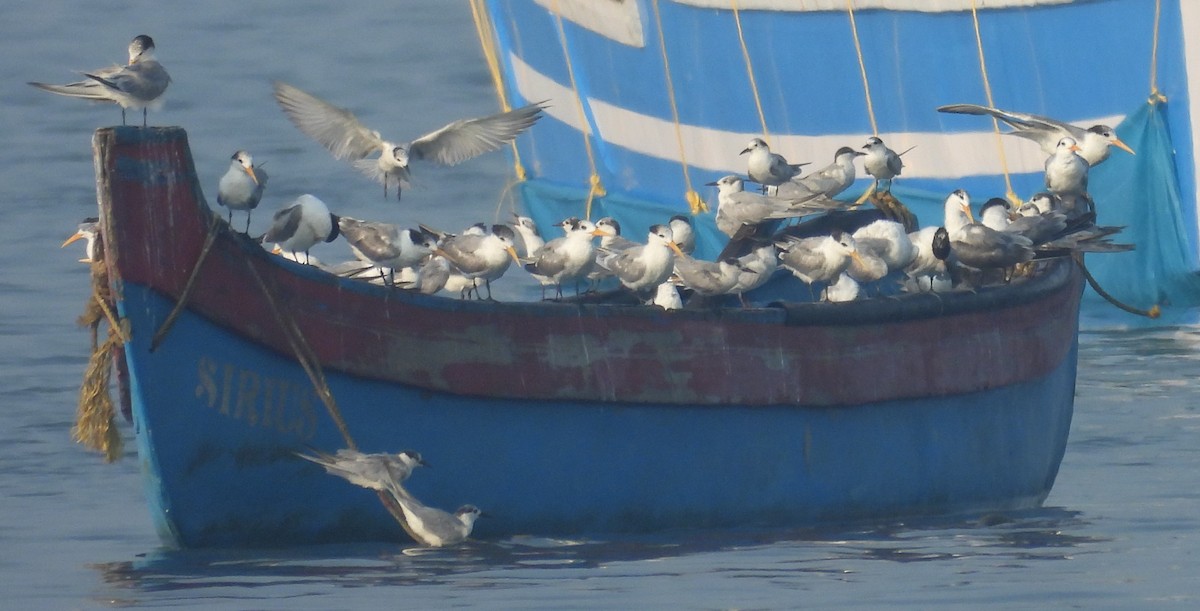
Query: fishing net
(1142, 193)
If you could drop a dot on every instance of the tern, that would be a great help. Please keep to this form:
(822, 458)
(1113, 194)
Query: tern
(818, 259)
(881, 162)
(977, 246)
(1067, 175)
(241, 188)
(1095, 142)
(565, 259)
(137, 85)
(888, 240)
(385, 245)
(301, 224)
(757, 268)
(431, 526)
(529, 239)
(88, 230)
(645, 266)
(683, 233)
(709, 278)
(767, 168)
(481, 257)
(1039, 227)
(667, 297)
(929, 243)
(843, 290)
(737, 207)
(341, 133)
(830, 180)
(374, 471)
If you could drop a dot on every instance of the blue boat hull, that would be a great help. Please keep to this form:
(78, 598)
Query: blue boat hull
(217, 428)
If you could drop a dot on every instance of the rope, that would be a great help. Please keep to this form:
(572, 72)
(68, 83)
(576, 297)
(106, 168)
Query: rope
(862, 68)
(987, 90)
(693, 198)
(596, 188)
(483, 25)
(161, 333)
(737, 19)
(1156, 96)
(304, 355)
(1153, 312)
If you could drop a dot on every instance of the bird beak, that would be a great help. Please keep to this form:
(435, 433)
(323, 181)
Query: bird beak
(858, 259)
(250, 171)
(1121, 145)
(513, 253)
(1075, 147)
(744, 151)
(277, 250)
(711, 184)
(970, 215)
(600, 232)
(75, 238)
(675, 247)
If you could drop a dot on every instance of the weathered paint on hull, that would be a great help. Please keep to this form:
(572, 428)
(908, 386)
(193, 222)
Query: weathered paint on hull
(219, 418)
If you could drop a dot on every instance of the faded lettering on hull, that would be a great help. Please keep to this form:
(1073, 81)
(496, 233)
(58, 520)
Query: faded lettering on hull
(256, 400)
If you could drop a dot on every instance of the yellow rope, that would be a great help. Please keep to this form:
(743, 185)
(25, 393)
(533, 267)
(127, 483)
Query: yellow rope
(696, 204)
(987, 90)
(483, 26)
(1156, 96)
(737, 19)
(862, 67)
(596, 188)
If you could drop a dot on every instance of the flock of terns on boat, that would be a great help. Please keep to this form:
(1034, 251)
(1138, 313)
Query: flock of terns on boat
(1057, 222)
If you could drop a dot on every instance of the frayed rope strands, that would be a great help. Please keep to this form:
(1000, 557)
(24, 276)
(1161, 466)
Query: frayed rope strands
(95, 427)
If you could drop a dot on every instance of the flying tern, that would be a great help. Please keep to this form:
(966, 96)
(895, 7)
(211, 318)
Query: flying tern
(1095, 142)
(341, 133)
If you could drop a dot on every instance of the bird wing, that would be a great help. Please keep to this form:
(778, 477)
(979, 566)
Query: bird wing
(336, 129)
(378, 241)
(284, 224)
(1043, 130)
(625, 264)
(549, 259)
(467, 138)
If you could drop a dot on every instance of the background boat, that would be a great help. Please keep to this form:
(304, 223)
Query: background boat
(558, 418)
(653, 98)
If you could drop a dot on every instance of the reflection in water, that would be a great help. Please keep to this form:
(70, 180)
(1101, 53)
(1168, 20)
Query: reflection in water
(1026, 536)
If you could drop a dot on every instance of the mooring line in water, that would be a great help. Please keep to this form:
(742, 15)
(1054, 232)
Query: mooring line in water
(1153, 312)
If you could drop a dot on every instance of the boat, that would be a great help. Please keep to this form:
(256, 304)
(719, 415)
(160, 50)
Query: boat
(556, 418)
(651, 99)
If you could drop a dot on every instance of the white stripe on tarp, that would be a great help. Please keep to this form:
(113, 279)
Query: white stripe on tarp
(917, 6)
(938, 155)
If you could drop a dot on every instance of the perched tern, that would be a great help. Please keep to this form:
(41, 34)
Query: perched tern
(767, 168)
(932, 246)
(88, 230)
(887, 240)
(529, 240)
(843, 290)
(137, 85)
(1039, 227)
(645, 266)
(434, 527)
(481, 257)
(818, 259)
(1067, 175)
(737, 207)
(977, 246)
(829, 181)
(301, 224)
(241, 188)
(1094, 142)
(757, 267)
(375, 471)
(683, 232)
(341, 133)
(667, 297)
(881, 162)
(565, 259)
(385, 245)
(708, 278)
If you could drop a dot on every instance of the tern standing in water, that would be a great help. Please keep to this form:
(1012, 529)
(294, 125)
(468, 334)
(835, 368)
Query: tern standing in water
(241, 188)
(137, 85)
(341, 133)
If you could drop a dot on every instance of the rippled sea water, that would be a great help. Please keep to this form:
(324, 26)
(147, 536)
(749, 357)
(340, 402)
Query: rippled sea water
(1119, 531)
